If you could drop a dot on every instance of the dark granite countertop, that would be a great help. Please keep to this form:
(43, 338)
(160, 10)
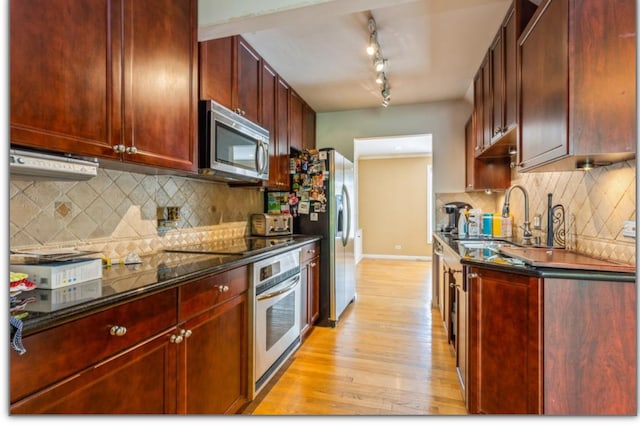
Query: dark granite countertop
(121, 283)
(488, 258)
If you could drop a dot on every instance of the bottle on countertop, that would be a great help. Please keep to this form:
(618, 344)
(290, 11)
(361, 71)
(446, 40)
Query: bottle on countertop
(462, 222)
(474, 222)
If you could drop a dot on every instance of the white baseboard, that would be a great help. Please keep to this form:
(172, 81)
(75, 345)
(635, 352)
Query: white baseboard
(398, 257)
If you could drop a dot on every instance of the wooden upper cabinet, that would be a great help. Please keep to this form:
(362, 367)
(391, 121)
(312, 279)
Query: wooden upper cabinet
(247, 86)
(478, 112)
(216, 70)
(577, 85)
(230, 73)
(296, 107)
(269, 82)
(160, 83)
(496, 55)
(83, 79)
(65, 81)
(282, 130)
(487, 100)
(493, 173)
(308, 128)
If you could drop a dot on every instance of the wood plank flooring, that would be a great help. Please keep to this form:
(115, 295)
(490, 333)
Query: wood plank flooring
(387, 356)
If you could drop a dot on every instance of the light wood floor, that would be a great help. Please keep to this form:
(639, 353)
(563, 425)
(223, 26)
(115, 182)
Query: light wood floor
(387, 356)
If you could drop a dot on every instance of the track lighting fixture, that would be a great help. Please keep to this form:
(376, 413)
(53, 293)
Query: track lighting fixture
(379, 62)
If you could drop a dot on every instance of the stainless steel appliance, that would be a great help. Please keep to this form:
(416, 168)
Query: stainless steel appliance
(264, 224)
(276, 319)
(327, 178)
(231, 147)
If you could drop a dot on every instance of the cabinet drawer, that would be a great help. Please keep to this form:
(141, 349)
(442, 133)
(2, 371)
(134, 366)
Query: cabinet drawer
(309, 251)
(58, 352)
(202, 294)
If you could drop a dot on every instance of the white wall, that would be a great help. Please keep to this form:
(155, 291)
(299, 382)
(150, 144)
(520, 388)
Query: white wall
(444, 120)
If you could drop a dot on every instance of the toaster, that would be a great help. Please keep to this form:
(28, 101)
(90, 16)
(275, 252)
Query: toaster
(264, 224)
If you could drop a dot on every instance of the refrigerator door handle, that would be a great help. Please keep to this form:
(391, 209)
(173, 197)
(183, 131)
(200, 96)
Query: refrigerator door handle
(347, 204)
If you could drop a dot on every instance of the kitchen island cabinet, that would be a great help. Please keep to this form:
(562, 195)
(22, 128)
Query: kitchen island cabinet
(577, 85)
(108, 79)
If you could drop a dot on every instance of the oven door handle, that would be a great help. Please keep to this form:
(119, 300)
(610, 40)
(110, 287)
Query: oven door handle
(291, 283)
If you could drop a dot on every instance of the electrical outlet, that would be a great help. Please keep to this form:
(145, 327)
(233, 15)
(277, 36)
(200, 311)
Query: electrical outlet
(629, 229)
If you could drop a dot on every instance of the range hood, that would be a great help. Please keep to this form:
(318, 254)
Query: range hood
(38, 165)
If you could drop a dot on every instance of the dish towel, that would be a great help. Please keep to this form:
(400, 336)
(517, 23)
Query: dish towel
(16, 341)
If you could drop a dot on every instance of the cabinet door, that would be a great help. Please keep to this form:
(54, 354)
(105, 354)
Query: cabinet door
(470, 150)
(505, 324)
(137, 381)
(487, 101)
(247, 85)
(308, 128)
(543, 86)
(65, 85)
(213, 362)
(313, 275)
(295, 121)
(160, 82)
(268, 121)
(510, 40)
(282, 130)
(478, 111)
(216, 70)
(496, 53)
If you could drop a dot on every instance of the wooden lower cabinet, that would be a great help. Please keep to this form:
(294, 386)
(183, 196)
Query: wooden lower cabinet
(505, 324)
(141, 380)
(213, 360)
(183, 351)
(553, 346)
(310, 276)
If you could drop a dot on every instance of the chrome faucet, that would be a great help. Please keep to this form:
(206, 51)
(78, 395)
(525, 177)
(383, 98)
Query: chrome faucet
(527, 235)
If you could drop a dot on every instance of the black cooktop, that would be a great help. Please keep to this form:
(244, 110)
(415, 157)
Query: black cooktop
(240, 246)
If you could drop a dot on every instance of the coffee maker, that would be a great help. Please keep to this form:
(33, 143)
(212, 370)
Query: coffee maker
(453, 210)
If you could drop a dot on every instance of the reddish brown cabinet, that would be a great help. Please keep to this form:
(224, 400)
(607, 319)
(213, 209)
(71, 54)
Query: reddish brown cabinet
(492, 173)
(185, 349)
(554, 345)
(577, 85)
(213, 362)
(310, 289)
(91, 360)
(82, 79)
(308, 128)
(282, 134)
(296, 111)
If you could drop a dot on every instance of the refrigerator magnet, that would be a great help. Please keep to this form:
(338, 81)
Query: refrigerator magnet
(303, 207)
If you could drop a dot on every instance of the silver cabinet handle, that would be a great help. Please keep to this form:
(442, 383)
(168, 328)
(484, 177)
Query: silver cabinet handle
(132, 150)
(186, 333)
(120, 148)
(176, 339)
(118, 331)
(313, 264)
(472, 275)
(222, 288)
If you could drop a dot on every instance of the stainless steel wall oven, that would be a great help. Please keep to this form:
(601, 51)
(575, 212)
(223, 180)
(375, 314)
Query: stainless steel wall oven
(277, 301)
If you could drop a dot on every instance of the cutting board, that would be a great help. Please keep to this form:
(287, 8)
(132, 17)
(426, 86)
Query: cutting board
(561, 258)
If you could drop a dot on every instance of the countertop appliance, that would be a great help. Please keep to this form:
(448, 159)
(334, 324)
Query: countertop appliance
(33, 165)
(453, 210)
(231, 147)
(264, 224)
(324, 182)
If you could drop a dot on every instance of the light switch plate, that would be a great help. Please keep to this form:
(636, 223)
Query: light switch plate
(629, 229)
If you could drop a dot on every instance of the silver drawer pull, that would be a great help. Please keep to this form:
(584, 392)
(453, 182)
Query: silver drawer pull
(185, 333)
(118, 331)
(472, 275)
(223, 288)
(176, 339)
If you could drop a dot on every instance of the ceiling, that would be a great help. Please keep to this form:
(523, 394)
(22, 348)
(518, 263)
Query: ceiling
(433, 47)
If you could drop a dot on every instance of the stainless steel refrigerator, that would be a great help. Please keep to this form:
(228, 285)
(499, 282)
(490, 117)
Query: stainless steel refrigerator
(323, 181)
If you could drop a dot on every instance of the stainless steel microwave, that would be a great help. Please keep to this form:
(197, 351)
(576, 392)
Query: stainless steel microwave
(231, 147)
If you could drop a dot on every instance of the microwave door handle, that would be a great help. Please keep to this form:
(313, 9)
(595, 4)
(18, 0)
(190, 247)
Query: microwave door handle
(260, 156)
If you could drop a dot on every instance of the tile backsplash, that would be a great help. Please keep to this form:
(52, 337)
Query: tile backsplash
(117, 212)
(596, 204)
